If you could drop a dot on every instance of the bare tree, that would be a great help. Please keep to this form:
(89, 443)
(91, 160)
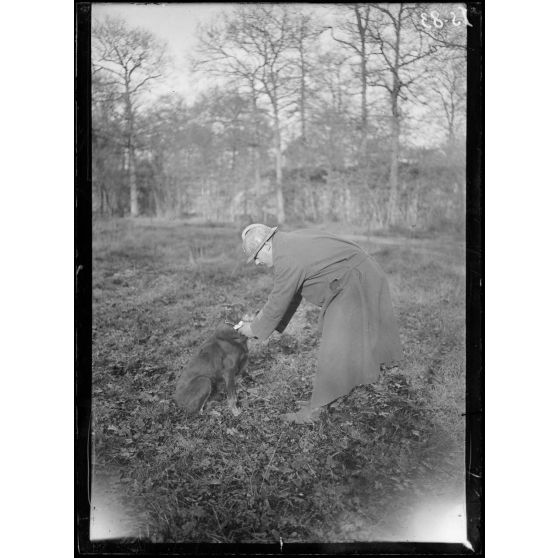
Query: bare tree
(334, 138)
(305, 34)
(399, 55)
(449, 85)
(108, 147)
(355, 38)
(127, 59)
(255, 45)
(220, 56)
(279, 109)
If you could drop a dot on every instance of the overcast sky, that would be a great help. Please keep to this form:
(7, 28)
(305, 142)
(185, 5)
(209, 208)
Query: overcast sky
(174, 23)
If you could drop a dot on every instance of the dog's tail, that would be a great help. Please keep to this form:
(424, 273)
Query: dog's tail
(193, 395)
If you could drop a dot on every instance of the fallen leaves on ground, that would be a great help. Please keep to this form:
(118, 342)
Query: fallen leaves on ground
(220, 478)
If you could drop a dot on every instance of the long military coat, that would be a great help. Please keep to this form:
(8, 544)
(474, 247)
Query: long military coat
(359, 331)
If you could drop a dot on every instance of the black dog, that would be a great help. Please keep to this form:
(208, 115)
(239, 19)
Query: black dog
(221, 357)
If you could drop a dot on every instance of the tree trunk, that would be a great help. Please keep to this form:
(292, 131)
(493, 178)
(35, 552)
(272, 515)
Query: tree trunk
(393, 171)
(134, 206)
(395, 129)
(159, 211)
(278, 168)
(302, 94)
(364, 111)
(364, 84)
(101, 199)
(394, 163)
(451, 126)
(256, 152)
(347, 205)
(257, 172)
(132, 182)
(245, 198)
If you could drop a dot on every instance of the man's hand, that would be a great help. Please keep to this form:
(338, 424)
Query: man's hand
(246, 329)
(249, 317)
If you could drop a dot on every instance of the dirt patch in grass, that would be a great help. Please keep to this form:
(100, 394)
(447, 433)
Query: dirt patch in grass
(359, 473)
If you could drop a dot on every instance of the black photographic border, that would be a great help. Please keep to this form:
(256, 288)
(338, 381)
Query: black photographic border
(475, 230)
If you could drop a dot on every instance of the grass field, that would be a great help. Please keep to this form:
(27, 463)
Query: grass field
(385, 462)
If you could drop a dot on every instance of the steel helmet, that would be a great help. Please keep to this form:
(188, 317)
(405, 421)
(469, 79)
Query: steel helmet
(254, 236)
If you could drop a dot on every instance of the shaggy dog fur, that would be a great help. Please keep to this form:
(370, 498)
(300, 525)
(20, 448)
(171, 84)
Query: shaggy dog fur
(220, 358)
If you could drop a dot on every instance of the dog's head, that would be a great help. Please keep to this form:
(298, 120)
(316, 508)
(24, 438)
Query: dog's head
(227, 332)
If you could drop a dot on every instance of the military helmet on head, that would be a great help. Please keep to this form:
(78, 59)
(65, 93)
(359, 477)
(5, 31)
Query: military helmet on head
(254, 236)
